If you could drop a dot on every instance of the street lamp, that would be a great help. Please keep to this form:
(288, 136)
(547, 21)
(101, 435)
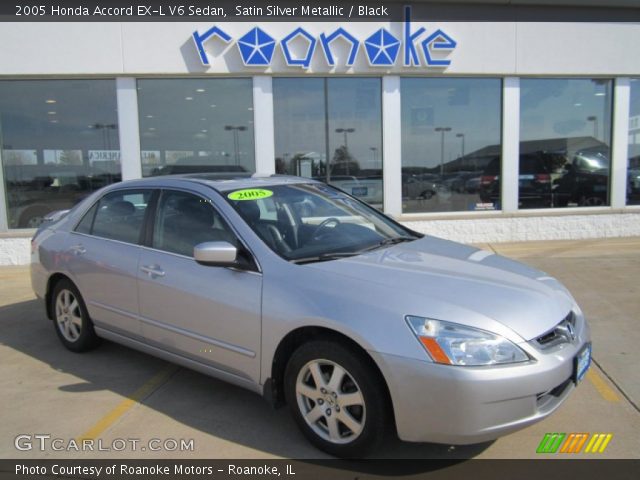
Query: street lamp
(461, 137)
(106, 134)
(236, 139)
(346, 145)
(594, 119)
(345, 131)
(442, 131)
(375, 154)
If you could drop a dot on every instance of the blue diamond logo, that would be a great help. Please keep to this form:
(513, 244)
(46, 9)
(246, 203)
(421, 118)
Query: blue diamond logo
(382, 48)
(256, 47)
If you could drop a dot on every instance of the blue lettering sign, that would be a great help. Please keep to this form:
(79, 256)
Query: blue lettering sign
(326, 45)
(303, 62)
(256, 47)
(438, 40)
(381, 47)
(200, 39)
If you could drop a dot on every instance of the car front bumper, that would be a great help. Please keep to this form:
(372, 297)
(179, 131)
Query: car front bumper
(465, 405)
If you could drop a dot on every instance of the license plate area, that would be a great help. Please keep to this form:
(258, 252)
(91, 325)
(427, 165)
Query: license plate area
(581, 363)
(359, 191)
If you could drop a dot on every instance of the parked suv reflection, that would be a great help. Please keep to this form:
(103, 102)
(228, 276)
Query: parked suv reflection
(35, 190)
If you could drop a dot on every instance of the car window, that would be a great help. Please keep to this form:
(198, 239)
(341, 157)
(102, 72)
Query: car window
(86, 223)
(184, 220)
(120, 215)
(304, 222)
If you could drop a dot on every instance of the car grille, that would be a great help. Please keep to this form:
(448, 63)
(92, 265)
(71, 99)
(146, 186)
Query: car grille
(563, 332)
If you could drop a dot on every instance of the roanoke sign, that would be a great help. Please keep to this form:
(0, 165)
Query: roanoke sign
(381, 48)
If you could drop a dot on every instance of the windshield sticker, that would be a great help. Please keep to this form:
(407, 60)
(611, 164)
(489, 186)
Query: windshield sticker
(250, 194)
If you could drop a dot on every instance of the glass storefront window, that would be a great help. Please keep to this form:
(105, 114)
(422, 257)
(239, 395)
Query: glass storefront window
(59, 143)
(451, 144)
(633, 172)
(330, 129)
(565, 142)
(196, 125)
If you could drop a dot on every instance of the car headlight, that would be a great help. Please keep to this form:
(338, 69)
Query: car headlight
(454, 344)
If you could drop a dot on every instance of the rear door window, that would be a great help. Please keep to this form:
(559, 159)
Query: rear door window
(120, 215)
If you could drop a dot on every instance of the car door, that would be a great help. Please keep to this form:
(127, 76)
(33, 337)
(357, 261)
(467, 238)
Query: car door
(208, 314)
(103, 253)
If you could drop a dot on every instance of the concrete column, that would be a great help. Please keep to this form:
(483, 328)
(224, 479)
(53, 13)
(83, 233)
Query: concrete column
(263, 124)
(391, 145)
(129, 128)
(510, 143)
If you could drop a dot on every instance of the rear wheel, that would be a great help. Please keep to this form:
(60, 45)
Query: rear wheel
(336, 399)
(71, 319)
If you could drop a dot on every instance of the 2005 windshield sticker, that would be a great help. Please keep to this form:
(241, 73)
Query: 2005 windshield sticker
(250, 194)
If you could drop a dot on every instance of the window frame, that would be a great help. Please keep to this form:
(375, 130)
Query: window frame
(252, 264)
(96, 204)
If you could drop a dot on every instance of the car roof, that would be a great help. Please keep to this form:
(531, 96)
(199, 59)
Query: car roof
(221, 182)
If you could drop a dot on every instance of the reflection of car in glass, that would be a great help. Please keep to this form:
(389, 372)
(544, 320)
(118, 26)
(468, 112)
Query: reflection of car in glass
(457, 182)
(585, 181)
(416, 187)
(534, 181)
(368, 189)
(198, 164)
(472, 185)
(633, 178)
(36, 190)
(296, 291)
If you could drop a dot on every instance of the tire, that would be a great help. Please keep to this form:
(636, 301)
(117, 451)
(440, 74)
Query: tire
(426, 195)
(356, 429)
(32, 217)
(71, 318)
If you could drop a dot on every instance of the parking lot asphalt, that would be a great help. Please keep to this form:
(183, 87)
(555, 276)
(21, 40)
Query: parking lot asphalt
(114, 393)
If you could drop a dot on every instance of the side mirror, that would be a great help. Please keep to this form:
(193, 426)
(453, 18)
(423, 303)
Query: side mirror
(221, 254)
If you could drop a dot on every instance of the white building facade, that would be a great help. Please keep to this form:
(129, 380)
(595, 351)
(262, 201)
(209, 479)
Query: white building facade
(473, 131)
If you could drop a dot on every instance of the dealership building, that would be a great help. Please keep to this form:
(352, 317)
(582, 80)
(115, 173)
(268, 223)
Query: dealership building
(477, 123)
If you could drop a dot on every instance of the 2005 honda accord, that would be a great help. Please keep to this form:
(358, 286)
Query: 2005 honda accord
(304, 294)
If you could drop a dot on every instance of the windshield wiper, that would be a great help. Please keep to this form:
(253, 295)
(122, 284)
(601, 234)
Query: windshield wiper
(323, 257)
(389, 241)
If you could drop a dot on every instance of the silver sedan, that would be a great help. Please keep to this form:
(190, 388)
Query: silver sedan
(311, 298)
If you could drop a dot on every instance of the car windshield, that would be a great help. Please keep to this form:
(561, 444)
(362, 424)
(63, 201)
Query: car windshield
(306, 223)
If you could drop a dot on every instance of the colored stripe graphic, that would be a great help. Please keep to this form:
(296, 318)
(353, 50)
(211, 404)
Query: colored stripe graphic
(550, 442)
(598, 443)
(573, 443)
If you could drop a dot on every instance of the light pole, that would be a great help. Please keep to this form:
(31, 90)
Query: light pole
(442, 131)
(346, 144)
(461, 137)
(375, 155)
(106, 135)
(594, 119)
(236, 139)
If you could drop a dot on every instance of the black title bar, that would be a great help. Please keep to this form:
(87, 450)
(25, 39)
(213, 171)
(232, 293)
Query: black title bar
(300, 11)
(578, 468)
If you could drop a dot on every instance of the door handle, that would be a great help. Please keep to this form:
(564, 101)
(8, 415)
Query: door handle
(152, 270)
(78, 249)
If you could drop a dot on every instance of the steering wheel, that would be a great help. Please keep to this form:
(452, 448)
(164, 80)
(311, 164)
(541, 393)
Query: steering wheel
(323, 225)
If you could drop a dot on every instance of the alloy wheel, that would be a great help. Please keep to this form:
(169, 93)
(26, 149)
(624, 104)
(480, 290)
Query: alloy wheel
(330, 401)
(68, 315)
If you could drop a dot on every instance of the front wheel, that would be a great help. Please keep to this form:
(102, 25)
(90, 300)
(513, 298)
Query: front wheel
(71, 319)
(336, 398)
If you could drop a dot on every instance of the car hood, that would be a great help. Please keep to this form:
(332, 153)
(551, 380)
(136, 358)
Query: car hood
(462, 284)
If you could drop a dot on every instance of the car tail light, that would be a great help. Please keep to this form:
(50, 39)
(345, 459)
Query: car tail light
(488, 179)
(543, 178)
